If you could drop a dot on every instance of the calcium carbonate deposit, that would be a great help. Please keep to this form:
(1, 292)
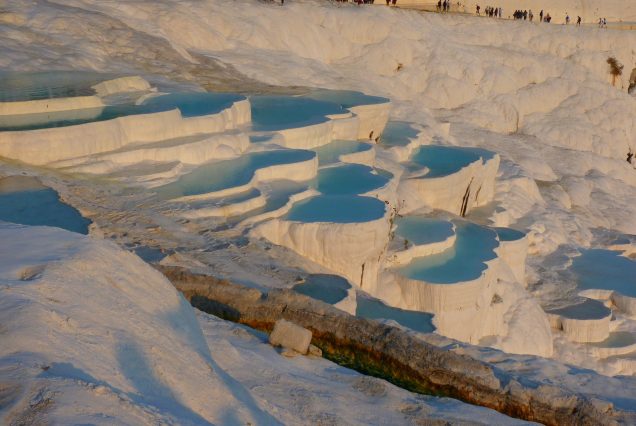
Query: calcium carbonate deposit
(470, 180)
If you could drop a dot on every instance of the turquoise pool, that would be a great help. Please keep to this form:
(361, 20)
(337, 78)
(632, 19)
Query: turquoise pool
(509, 234)
(346, 98)
(227, 174)
(618, 339)
(398, 133)
(463, 262)
(327, 288)
(589, 309)
(445, 160)
(30, 86)
(337, 209)
(330, 153)
(272, 113)
(332, 289)
(421, 230)
(350, 179)
(375, 309)
(605, 270)
(26, 201)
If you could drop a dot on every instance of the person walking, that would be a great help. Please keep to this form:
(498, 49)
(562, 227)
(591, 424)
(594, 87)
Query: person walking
(541, 16)
(578, 21)
(478, 9)
(567, 19)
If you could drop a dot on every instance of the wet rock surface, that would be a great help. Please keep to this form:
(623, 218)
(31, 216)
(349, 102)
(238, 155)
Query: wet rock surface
(390, 353)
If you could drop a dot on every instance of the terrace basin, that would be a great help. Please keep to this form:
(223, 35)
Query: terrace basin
(237, 175)
(26, 201)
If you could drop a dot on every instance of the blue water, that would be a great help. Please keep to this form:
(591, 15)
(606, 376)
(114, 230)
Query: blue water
(271, 113)
(261, 138)
(605, 270)
(337, 209)
(226, 174)
(327, 288)
(332, 289)
(587, 310)
(398, 133)
(193, 104)
(330, 153)
(346, 98)
(463, 262)
(40, 206)
(445, 160)
(422, 230)
(508, 234)
(190, 104)
(279, 195)
(349, 179)
(29, 86)
(375, 309)
(618, 339)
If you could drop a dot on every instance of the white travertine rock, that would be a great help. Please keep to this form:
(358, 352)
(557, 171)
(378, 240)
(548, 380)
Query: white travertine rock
(49, 105)
(373, 118)
(290, 336)
(308, 137)
(587, 321)
(194, 151)
(402, 257)
(120, 85)
(44, 146)
(363, 157)
(298, 171)
(514, 253)
(472, 186)
(233, 209)
(581, 330)
(352, 250)
(624, 303)
(345, 128)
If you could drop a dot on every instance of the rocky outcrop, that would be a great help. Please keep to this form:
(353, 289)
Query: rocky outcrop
(290, 336)
(388, 352)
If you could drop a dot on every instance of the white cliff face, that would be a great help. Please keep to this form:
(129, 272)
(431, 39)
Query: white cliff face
(48, 106)
(122, 85)
(458, 193)
(50, 145)
(351, 250)
(84, 320)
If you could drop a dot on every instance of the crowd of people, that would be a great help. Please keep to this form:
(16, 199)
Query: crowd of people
(443, 6)
(493, 12)
(527, 15)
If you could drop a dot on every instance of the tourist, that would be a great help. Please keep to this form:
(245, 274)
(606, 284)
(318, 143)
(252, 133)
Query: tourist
(541, 16)
(478, 10)
(567, 19)
(530, 15)
(439, 6)
(578, 21)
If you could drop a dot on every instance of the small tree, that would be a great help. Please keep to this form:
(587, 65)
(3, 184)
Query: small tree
(616, 69)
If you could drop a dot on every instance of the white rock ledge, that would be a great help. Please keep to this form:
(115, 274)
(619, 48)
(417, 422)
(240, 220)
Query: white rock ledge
(44, 146)
(470, 187)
